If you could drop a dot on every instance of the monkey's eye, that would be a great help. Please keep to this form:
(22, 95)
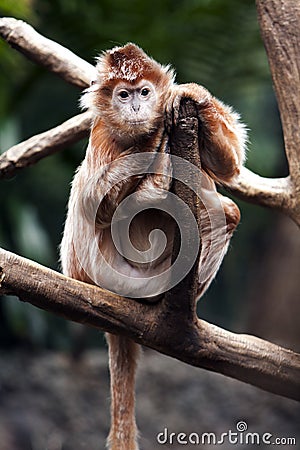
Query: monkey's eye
(145, 92)
(124, 94)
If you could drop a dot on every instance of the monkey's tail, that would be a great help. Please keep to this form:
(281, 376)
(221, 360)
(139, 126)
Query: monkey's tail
(123, 356)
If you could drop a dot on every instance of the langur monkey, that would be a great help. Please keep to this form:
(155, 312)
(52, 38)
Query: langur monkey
(134, 100)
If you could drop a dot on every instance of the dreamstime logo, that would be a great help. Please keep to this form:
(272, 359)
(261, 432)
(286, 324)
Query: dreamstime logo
(240, 436)
(110, 271)
(241, 426)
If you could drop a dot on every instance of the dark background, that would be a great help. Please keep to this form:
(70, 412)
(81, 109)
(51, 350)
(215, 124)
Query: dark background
(212, 42)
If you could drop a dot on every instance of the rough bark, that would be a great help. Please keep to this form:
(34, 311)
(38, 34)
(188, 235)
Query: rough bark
(184, 144)
(280, 28)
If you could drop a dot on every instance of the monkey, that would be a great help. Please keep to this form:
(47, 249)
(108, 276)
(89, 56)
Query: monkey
(134, 100)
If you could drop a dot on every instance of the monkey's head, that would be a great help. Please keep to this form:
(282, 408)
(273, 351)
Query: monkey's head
(129, 92)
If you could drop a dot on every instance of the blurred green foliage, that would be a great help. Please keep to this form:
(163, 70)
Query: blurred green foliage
(213, 42)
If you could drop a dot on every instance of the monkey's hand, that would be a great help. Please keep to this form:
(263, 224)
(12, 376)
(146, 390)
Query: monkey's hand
(154, 187)
(193, 91)
(221, 136)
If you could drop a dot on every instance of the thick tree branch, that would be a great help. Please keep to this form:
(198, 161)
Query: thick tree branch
(245, 358)
(184, 143)
(280, 28)
(31, 151)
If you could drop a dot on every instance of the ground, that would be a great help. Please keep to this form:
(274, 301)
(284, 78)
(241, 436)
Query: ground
(52, 402)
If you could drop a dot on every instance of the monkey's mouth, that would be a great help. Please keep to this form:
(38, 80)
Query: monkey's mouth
(137, 122)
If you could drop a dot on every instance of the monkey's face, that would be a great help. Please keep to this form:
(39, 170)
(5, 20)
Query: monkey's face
(136, 107)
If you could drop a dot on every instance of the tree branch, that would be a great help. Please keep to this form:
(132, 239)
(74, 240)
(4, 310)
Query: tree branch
(37, 147)
(46, 52)
(271, 192)
(245, 358)
(184, 143)
(280, 28)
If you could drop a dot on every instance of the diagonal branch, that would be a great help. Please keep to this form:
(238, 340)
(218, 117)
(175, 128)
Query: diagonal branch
(44, 144)
(46, 52)
(245, 358)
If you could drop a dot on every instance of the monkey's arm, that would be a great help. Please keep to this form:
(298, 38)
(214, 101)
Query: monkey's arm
(153, 186)
(110, 184)
(104, 190)
(221, 136)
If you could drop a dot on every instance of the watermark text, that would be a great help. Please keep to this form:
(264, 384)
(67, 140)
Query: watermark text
(234, 437)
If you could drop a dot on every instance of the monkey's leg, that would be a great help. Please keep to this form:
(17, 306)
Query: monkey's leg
(123, 355)
(232, 215)
(217, 228)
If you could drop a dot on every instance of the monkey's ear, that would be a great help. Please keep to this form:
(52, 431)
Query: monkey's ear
(88, 98)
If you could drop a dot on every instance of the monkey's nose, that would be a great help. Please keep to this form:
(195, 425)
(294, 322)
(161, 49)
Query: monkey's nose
(135, 106)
